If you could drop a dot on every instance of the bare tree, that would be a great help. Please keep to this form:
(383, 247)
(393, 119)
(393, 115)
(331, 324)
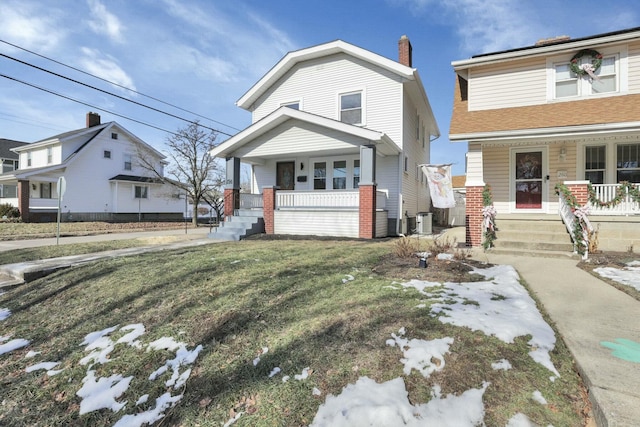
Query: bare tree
(193, 170)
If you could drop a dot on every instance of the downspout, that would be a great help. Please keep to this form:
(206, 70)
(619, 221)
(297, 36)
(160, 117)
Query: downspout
(400, 212)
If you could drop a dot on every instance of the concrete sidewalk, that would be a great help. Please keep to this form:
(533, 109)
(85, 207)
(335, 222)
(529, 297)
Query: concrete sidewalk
(587, 312)
(12, 275)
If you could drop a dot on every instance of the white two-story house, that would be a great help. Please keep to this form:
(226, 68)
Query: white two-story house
(556, 118)
(336, 140)
(100, 176)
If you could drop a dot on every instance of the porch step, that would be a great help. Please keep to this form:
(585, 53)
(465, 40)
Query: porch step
(237, 227)
(533, 236)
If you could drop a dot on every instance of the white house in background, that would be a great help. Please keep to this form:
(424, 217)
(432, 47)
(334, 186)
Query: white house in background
(337, 135)
(104, 181)
(9, 162)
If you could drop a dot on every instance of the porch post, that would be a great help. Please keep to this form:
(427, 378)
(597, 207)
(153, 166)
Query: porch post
(232, 186)
(367, 188)
(580, 190)
(474, 186)
(268, 208)
(23, 200)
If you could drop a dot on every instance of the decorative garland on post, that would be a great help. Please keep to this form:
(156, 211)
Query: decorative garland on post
(489, 218)
(580, 229)
(590, 69)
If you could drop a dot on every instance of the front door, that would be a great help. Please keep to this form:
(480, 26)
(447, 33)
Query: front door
(529, 179)
(285, 176)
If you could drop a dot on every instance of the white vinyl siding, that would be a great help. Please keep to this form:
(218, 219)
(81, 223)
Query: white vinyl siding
(320, 82)
(496, 174)
(508, 85)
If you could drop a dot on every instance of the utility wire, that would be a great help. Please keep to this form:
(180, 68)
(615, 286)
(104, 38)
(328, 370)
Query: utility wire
(84, 103)
(120, 86)
(110, 93)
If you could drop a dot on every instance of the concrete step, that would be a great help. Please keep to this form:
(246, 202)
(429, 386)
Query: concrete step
(532, 235)
(238, 227)
(538, 236)
(530, 225)
(532, 245)
(535, 253)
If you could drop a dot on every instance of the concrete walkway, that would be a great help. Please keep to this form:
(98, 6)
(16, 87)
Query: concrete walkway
(587, 312)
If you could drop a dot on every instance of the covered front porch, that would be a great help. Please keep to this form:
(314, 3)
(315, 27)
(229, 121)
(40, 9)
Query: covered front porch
(310, 175)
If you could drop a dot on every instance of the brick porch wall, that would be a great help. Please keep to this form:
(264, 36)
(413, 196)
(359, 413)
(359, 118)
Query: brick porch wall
(231, 201)
(580, 190)
(268, 207)
(367, 217)
(473, 216)
(23, 200)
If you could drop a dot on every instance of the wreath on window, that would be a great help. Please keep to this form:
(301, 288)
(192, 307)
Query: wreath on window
(582, 69)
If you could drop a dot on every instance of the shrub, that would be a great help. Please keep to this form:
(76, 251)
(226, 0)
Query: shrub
(9, 211)
(405, 247)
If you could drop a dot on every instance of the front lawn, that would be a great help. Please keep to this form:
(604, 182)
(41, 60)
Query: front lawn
(263, 333)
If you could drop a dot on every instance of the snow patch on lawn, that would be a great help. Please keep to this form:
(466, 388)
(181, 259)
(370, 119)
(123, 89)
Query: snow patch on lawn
(629, 275)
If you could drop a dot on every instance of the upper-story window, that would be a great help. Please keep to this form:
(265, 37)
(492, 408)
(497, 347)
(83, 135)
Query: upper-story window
(9, 165)
(351, 108)
(29, 158)
(49, 155)
(605, 79)
(127, 162)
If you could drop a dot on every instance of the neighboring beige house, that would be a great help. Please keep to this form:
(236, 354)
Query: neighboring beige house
(336, 140)
(103, 180)
(563, 111)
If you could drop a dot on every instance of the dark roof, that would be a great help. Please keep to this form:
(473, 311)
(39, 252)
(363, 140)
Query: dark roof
(561, 41)
(134, 178)
(63, 135)
(5, 148)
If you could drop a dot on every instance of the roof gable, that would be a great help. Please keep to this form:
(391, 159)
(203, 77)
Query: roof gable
(314, 52)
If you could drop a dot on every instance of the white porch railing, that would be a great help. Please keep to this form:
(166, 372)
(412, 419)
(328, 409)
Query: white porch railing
(317, 199)
(606, 193)
(250, 201)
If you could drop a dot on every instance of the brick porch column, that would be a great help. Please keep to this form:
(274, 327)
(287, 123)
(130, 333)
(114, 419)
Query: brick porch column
(580, 190)
(473, 216)
(268, 207)
(23, 200)
(367, 215)
(231, 201)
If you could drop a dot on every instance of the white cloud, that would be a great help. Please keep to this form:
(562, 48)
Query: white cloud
(105, 66)
(27, 25)
(104, 22)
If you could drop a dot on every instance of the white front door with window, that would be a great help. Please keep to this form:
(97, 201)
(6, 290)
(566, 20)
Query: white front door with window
(529, 180)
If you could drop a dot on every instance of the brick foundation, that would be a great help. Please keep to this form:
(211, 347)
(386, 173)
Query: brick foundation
(580, 190)
(367, 217)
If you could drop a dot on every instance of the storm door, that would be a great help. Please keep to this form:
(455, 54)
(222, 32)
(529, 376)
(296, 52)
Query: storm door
(285, 175)
(529, 179)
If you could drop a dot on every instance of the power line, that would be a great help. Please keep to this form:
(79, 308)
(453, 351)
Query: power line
(109, 93)
(85, 103)
(118, 85)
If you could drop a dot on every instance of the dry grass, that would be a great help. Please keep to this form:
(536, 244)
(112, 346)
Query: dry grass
(236, 298)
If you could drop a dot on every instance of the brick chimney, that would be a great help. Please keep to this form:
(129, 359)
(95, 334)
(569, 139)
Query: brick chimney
(405, 51)
(93, 119)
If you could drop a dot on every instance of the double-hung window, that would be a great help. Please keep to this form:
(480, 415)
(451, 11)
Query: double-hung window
(49, 155)
(319, 175)
(351, 108)
(595, 164)
(141, 192)
(127, 162)
(339, 174)
(569, 84)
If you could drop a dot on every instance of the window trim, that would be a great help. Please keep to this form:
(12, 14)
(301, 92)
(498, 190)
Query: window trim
(329, 163)
(143, 194)
(127, 156)
(363, 103)
(622, 75)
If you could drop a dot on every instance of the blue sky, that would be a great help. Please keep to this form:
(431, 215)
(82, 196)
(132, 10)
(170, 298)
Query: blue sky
(203, 55)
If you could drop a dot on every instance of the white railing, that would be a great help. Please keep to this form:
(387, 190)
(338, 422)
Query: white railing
(606, 193)
(250, 201)
(566, 213)
(317, 199)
